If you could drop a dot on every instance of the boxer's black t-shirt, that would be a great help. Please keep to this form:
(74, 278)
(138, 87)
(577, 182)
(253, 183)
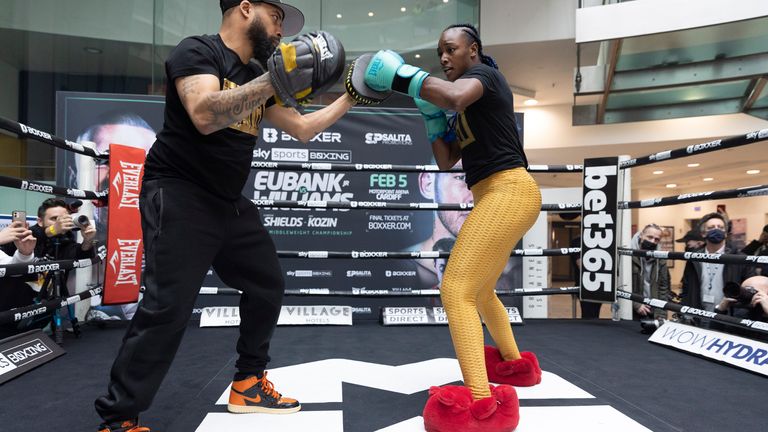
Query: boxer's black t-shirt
(219, 162)
(486, 130)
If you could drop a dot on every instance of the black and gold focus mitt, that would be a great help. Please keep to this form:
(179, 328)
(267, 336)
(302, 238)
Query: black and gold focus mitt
(355, 83)
(306, 67)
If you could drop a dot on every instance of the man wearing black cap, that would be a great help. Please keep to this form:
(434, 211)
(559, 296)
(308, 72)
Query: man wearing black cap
(693, 240)
(759, 247)
(193, 212)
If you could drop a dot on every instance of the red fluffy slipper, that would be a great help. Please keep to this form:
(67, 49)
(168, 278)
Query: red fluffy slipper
(524, 372)
(451, 409)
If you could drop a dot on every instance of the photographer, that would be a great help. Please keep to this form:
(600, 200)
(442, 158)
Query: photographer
(55, 232)
(14, 292)
(759, 247)
(747, 301)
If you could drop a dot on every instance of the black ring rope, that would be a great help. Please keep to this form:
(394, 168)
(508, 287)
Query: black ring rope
(46, 306)
(35, 267)
(47, 138)
(50, 189)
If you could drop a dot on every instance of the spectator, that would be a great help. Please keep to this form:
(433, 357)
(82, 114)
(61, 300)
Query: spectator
(703, 282)
(759, 247)
(693, 240)
(747, 301)
(14, 292)
(650, 276)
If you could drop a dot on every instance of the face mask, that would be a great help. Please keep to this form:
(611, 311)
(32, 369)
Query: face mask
(715, 235)
(647, 245)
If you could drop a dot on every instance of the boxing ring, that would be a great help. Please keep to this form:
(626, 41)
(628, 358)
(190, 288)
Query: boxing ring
(598, 375)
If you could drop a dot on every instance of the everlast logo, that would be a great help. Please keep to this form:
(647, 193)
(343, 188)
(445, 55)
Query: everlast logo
(129, 192)
(693, 311)
(705, 146)
(34, 187)
(35, 132)
(124, 261)
(599, 231)
(40, 268)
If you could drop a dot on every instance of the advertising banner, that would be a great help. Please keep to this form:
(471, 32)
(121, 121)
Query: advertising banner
(364, 135)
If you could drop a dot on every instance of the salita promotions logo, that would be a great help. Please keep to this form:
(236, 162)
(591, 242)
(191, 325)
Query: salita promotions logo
(126, 184)
(306, 186)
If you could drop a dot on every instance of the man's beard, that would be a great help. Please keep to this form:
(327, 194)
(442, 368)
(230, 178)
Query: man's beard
(263, 45)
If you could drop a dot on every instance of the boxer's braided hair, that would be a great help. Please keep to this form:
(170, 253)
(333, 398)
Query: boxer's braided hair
(474, 36)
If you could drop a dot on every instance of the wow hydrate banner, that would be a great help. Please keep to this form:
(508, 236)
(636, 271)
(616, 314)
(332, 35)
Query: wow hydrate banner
(364, 135)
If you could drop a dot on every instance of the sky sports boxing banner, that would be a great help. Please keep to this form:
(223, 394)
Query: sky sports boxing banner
(364, 135)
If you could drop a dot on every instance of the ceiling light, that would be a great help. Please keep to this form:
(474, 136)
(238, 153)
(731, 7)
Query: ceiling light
(753, 171)
(658, 172)
(707, 179)
(693, 165)
(418, 56)
(445, 1)
(672, 185)
(531, 102)
(370, 13)
(338, 16)
(403, 9)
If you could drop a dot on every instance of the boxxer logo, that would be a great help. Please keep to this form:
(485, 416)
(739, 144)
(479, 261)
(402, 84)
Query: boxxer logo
(269, 135)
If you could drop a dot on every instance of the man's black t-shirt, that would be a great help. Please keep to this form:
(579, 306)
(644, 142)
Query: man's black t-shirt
(219, 162)
(486, 130)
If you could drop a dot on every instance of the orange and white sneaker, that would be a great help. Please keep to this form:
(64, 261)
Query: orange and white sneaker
(258, 395)
(124, 426)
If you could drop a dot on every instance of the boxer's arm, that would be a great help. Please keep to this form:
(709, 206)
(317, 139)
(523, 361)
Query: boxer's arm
(212, 109)
(305, 127)
(446, 153)
(454, 96)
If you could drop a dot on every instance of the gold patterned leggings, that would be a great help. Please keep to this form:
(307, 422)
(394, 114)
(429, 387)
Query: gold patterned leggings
(507, 204)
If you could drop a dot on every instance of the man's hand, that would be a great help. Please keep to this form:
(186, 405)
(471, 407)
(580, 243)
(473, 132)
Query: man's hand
(26, 245)
(13, 232)
(89, 233)
(726, 303)
(761, 299)
(63, 225)
(643, 310)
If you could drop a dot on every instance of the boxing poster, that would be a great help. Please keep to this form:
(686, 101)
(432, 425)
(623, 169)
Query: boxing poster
(364, 135)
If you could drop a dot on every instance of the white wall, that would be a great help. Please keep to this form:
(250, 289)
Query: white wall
(550, 126)
(644, 17)
(517, 21)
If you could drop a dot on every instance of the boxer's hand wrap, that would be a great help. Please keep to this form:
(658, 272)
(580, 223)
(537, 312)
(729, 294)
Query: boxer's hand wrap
(355, 83)
(388, 71)
(436, 121)
(306, 67)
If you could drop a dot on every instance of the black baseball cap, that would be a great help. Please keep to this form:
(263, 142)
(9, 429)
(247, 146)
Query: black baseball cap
(690, 235)
(293, 19)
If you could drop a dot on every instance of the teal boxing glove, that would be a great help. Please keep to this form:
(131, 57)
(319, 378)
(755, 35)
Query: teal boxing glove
(435, 120)
(388, 71)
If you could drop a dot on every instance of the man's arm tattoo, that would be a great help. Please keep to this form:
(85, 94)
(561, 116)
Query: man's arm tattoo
(228, 106)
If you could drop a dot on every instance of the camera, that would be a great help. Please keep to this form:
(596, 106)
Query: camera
(736, 291)
(81, 221)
